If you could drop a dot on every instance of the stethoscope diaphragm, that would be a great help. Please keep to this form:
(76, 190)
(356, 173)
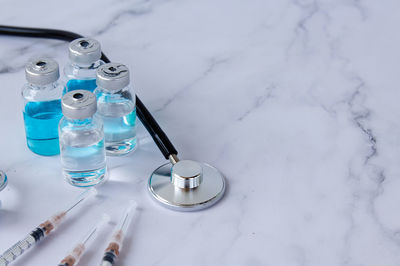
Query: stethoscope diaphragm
(3, 180)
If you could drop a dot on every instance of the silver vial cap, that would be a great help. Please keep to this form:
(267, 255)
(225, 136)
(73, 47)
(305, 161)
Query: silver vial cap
(112, 76)
(79, 104)
(84, 51)
(42, 71)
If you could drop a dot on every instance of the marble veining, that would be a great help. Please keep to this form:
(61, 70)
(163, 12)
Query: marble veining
(295, 101)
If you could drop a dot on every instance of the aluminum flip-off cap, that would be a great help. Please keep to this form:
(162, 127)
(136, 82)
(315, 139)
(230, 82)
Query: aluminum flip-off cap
(42, 71)
(112, 76)
(84, 51)
(79, 104)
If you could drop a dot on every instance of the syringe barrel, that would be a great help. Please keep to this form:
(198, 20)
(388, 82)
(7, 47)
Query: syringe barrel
(75, 255)
(124, 223)
(73, 258)
(115, 244)
(21, 246)
(41, 231)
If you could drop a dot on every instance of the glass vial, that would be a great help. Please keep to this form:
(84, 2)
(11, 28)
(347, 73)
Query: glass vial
(42, 106)
(80, 73)
(116, 106)
(83, 156)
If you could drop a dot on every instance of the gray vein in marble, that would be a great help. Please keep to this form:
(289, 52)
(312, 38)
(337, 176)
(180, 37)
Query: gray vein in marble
(360, 116)
(357, 4)
(238, 233)
(268, 94)
(300, 30)
(7, 68)
(300, 255)
(215, 62)
(349, 232)
(143, 8)
(22, 52)
(380, 179)
(310, 10)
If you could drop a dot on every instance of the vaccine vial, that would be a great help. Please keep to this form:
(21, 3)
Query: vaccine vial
(84, 56)
(116, 106)
(83, 155)
(42, 106)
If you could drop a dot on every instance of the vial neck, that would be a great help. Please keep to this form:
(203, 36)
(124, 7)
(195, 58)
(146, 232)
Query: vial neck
(43, 87)
(81, 122)
(112, 91)
(93, 65)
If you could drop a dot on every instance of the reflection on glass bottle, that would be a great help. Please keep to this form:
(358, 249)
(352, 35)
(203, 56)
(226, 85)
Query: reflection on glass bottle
(42, 106)
(116, 107)
(80, 73)
(82, 140)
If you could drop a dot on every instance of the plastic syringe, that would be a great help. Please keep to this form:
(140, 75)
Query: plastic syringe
(76, 253)
(42, 230)
(112, 251)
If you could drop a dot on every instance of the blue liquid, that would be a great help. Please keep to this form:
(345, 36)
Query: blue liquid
(78, 84)
(41, 126)
(84, 166)
(120, 133)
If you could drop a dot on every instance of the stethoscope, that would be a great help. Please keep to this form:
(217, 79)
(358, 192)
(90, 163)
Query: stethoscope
(3, 180)
(182, 185)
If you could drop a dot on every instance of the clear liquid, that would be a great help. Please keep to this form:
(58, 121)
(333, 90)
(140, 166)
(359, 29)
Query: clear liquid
(83, 166)
(81, 84)
(41, 126)
(120, 133)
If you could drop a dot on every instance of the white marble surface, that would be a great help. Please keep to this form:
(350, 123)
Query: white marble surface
(296, 102)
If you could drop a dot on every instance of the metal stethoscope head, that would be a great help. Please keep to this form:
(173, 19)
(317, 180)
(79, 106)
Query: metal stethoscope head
(3, 180)
(186, 185)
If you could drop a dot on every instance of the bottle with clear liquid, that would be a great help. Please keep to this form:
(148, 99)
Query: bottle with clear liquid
(82, 150)
(80, 73)
(116, 106)
(42, 106)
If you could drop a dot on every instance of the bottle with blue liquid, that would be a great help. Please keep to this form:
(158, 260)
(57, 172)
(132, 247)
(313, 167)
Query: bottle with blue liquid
(116, 106)
(42, 106)
(83, 156)
(80, 73)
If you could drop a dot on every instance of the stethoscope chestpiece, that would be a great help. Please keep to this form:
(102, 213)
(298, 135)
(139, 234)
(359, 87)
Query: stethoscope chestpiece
(3, 180)
(186, 185)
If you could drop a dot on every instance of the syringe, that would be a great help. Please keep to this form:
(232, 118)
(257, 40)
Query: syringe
(74, 256)
(41, 231)
(114, 247)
